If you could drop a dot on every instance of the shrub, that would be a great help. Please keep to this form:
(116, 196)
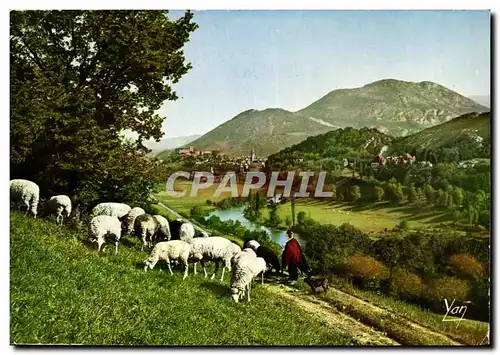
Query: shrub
(403, 225)
(406, 284)
(447, 288)
(466, 266)
(366, 267)
(301, 217)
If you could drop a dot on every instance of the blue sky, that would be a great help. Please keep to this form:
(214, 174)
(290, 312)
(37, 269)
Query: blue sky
(288, 59)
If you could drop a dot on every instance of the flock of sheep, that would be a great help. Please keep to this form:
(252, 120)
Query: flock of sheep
(173, 242)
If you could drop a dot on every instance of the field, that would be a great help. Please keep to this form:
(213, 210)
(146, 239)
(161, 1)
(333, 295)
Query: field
(62, 292)
(372, 217)
(366, 217)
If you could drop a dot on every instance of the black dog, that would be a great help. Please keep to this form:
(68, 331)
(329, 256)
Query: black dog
(269, 256)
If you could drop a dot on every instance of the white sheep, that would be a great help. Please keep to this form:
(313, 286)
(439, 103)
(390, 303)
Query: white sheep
(130, 217)
(186, 232)
(212, 249)
(246, 268)
(173, 250)
(26, 191)
(145, 227)
(61, 205)
(245, 251)
(105, 226)
(164, 227)
(114, 209)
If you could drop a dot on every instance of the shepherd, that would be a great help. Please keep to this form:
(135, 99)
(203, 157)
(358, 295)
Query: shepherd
(293, 258)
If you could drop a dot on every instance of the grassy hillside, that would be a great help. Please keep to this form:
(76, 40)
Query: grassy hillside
(472, 128)
(62, 292)
(341, 143)
(394, 107)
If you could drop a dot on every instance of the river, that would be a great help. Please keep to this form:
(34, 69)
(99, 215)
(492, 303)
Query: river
(236, 214)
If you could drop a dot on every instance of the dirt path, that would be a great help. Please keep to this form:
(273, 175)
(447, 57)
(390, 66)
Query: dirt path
(404, 330)
(364, 321)
(343, 323)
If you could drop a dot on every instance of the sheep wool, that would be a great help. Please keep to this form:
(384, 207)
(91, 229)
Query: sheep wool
(114, 209)
(186, 232)
(130, 217)
(61, 205)
(105, 226)
(245, 251)
(173, 250)
(269, 256)
(212, 249)
(145, 227)
(163, 229)
(244, 271)
(26, 191)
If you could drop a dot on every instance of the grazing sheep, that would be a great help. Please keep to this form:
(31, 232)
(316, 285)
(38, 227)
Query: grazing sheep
(245, 251)
(26, 191)
(145, 227)
(212, 249)
(269, 256)
(163, 233)
(111, 209)
(251, 244)
(61, 205)
(169, 251)
(130, 217)
(244, 271)
(105, 226)
(180, 230)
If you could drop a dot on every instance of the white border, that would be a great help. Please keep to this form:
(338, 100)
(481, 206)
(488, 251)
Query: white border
(180, 5)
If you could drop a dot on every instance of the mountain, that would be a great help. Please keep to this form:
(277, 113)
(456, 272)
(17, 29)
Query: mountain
(170, 143)
(482, 99)
(467, 135)
(267, 131)
(392, 106)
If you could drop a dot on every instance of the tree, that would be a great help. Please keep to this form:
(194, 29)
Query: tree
(458, 196)
(378, 193)
(430, 193)
(412, 194)
(274, 218)
(301, 218)
(78, 80)
(355, 192)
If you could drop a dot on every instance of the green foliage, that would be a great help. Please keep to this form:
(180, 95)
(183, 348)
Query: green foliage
(71, 78)
(394, 192)
(355, 193)
(274, 218)
(378, 193)
(403, 225)
(301, 218)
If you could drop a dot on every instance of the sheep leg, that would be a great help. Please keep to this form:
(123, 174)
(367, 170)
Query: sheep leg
(169, 268)
(186, 270)
(263, 277)
(249, 289)
(116, 248)
(204, 269)
(194, 267)
(222, 276)
(216, 269)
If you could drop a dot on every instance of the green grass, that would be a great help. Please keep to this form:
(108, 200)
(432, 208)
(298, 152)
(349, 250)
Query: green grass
(367, 217)
(467, 331)
(63, 292)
